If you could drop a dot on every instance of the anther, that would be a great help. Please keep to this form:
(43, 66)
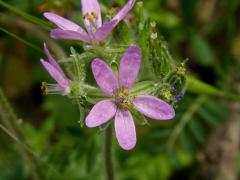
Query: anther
(44, 87)
(125, 91)
(181, 71)
(94, 15)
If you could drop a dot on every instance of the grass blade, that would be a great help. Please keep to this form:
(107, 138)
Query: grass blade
(21, 39)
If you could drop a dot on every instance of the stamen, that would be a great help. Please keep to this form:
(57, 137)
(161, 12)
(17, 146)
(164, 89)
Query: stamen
(94, 15)
(51, 89)
(87, 16)
(124, 99)
(91, 18)
(43, 87)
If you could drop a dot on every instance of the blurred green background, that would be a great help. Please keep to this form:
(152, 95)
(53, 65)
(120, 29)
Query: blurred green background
(45, 140)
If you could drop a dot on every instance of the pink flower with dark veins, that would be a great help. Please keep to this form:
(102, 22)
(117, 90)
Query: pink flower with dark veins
(53, 68)
(94, 30)
(118, 88)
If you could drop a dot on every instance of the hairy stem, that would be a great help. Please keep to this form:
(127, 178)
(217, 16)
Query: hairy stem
(10, 122)
(107, 154)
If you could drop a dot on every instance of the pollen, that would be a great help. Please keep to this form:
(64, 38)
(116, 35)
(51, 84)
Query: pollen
(181, 71)
(88, 16)
(124, 99)
(153, 24)
(91, 16)
(44, 87)
(154, 35)
(167, 95)
(94, 15)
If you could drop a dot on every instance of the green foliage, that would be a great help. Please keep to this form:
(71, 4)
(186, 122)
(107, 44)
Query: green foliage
(201, 50)
(52, 126)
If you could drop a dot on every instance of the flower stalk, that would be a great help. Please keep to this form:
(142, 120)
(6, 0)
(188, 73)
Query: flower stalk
(107, 153)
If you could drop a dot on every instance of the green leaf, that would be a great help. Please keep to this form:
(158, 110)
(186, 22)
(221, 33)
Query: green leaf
(197, 86)
(201, 50)
(216, 108)
(166, 19)
(139, 117)
(122, 33)
(92, 154)
(209, 118)
(186, 142)
(197, 130)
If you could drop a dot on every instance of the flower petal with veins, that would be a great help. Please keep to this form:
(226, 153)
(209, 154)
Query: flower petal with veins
(67, 34)
(58, 76)
(101, 112)
(52, 60)
(153, 107)
(104, 76)
(64, 23)
(92, 6)
(125, 129)
(129, 67)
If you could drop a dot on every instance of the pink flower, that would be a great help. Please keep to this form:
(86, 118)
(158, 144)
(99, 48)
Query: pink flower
(118, 87)
(63, 83)
(96, 31)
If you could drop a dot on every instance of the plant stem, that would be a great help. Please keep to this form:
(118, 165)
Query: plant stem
(10, 120)
(107, 153)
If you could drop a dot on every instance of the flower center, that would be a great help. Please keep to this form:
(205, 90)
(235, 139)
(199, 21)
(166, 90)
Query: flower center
(91, 17)
(123, 98)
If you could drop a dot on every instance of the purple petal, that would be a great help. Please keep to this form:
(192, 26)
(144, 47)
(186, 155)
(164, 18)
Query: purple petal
(129, 67)
(58, 76)
(123, 12)
(66, 34)
(52, 60)
(104, 76)
(104, 30)
(101, 112)
(125, 129)
(91, 6)
(107, 28)
(63, 23)
(153, 107)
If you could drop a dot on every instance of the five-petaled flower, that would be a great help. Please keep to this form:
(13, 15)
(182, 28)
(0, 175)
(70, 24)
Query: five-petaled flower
(53, 68)
(96, 31)
(118, 88)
